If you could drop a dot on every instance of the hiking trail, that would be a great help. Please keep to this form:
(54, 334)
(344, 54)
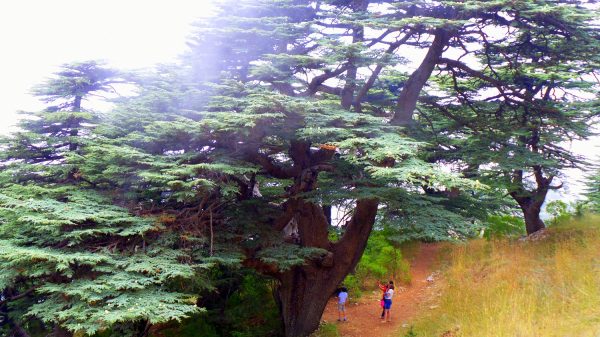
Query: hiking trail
(364, 314)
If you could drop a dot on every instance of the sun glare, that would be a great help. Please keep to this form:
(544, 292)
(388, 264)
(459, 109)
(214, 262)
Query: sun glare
(37, 36)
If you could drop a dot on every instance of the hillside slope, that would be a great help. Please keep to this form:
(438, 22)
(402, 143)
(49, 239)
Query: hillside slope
(546, 287)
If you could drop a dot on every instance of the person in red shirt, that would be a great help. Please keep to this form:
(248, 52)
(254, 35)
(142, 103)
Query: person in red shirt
(383, 287)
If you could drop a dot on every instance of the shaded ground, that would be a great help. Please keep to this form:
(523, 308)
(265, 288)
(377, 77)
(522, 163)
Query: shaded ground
(364, 315)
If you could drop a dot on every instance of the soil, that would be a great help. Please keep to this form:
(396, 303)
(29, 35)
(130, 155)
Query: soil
(364, 314)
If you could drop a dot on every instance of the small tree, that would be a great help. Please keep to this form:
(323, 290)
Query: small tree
(593, 192)
(69, 257)
(46, 136)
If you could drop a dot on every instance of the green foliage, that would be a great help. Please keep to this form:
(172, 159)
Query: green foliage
(246, 310)
(252, 311)
(382, 261)
(51, 241)
(286, 256)
(354, 284)
(559, 210)
(125, 220)
(433, 217)
(47, 136)
(506, 113)
(74, 82)
(327, 330)
(72, 257)
(502, 226)
(593, 192)
(197, 325)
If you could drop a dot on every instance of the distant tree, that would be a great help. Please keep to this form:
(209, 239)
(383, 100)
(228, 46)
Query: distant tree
(510, 112)
(593, 192)
(46, 136)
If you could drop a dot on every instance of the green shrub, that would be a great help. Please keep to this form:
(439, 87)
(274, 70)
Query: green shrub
(354, 285)
(559, 210)
(244, 308)
(381, 261)
(192, 327)
(327, 330)
(501, 226)
(252, 311)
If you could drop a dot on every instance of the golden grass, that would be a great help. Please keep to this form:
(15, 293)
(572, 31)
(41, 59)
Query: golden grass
(520, 289)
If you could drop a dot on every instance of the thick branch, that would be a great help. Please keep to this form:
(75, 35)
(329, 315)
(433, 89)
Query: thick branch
(329, 90)
(472, 72)
(369, 84)
(273, 169)
(314, 84)
(17, 297)
(407, 101)
(541, 181)
(357, 230)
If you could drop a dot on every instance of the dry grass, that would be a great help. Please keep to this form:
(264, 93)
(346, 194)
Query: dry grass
(525, 289)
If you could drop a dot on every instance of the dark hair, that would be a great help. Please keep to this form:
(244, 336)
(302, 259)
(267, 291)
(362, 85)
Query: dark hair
(391, 282)
(391, 286)
(344, 289)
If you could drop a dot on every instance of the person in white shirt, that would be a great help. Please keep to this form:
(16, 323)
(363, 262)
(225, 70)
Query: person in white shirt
(342, 297)
(387, 302)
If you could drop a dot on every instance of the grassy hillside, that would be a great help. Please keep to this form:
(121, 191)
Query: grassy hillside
(549, 287)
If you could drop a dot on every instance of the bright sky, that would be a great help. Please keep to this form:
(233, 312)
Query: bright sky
(39, 35)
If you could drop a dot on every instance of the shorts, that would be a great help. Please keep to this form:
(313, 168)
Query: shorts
(341, 306)
(387, 304)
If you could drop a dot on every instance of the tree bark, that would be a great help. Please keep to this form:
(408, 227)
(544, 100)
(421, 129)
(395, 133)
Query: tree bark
(407, 100)
(533, 222)
(327, 212)
(531, 213)
(74, 124)
(302, 297)
(531, 202)
(303, 291)
(347, 94)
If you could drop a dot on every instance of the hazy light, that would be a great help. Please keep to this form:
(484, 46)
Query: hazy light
(39, 35)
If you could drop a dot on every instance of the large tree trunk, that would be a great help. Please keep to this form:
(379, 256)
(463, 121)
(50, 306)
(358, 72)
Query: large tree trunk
(531, 202)
(533, 222)
(531, 207)
(304, 290)
(302, 296)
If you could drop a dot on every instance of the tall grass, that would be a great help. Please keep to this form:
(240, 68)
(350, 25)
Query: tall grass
(544, 288)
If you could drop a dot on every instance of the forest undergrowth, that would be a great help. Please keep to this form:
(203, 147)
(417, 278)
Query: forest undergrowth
(548, 286)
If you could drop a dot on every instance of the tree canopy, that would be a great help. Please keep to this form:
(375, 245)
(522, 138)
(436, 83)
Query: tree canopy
(288, 132)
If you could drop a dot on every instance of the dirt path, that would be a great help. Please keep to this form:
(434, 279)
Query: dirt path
(363, 317)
